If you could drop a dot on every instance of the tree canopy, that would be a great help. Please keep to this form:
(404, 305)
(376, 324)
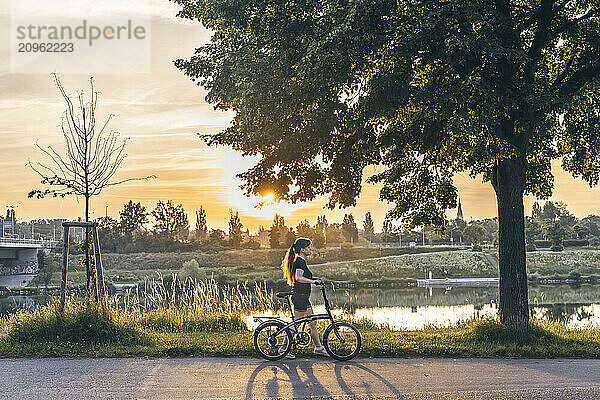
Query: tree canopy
(235, 229)
(369, 228)
(429, 88)
(475, 233)
(201, 227)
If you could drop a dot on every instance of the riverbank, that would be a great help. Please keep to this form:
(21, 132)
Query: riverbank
(200, 331)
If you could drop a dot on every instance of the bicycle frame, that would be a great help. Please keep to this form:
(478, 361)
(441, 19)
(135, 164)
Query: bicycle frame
(302, 320)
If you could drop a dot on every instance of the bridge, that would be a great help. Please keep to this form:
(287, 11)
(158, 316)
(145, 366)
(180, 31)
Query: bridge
(27, 243)
(18, 259)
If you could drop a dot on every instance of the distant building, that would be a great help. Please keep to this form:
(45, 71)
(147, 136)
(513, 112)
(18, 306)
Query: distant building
(459, 214)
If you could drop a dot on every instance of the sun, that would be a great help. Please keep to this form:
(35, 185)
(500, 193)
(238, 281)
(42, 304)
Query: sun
(269, 198)
(265, 206)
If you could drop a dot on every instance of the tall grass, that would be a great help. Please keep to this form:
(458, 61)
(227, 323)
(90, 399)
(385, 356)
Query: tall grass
(194, 295)
(162, 305)
(192, 304)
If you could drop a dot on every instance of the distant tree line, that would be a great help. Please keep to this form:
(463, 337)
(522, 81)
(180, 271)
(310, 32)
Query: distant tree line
(170, 231)
(550, 225)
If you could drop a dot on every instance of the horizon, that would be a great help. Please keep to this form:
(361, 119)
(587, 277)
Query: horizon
(358, 220)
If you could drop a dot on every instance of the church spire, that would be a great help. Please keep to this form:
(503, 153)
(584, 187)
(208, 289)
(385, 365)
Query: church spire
(459, 213)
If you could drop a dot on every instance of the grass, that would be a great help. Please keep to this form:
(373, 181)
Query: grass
(485, 338)
(77, 324)
(205, 320)
(550, 265)
(408, 267)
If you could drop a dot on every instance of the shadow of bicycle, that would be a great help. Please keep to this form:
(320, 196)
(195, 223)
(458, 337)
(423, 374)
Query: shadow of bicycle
(307, 378)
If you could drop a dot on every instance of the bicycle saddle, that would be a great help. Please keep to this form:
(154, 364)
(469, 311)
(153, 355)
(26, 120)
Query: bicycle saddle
(283, 294)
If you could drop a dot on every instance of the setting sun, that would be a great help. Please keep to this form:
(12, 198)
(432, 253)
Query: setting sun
(265, 206)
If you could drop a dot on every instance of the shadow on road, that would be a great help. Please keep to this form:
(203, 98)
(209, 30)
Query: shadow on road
(273, 376)
(349, 367)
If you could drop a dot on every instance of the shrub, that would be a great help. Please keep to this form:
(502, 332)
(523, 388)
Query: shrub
(530, 247)
(558, 277)
(534, 277)
(574, 275)
(346, 246)
(191, 269)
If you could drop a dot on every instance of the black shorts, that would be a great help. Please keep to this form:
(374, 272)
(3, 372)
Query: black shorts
(301, 301)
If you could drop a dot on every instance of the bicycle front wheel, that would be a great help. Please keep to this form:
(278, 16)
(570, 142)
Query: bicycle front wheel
(343, 345)
(270, 344)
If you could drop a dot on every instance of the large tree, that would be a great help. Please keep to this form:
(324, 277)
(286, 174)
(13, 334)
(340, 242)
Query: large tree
(426, 88)
(349, 229)
(304, 229)
(277, 232)
(475, 233)
(368, 227)
(201, 227)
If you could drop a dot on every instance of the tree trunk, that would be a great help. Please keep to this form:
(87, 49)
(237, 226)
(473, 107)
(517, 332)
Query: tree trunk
(508, 181)
(87, 248)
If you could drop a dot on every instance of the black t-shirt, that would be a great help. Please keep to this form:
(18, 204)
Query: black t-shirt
(301, 287)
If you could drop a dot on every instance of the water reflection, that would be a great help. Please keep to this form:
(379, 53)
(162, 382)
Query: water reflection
(416, 308)
(419, 317)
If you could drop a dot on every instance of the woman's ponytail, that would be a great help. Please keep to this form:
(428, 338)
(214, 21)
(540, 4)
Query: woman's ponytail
(286, 265)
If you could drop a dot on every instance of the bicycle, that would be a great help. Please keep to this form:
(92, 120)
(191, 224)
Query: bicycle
(274, 338)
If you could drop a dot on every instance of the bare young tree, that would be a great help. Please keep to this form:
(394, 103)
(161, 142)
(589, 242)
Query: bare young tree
(91, 157)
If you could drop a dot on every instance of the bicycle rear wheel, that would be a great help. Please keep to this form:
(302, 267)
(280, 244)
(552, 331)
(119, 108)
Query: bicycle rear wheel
(270, 345)
(344, 347)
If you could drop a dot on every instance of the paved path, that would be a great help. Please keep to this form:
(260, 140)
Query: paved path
(239, 378)
(491, 259)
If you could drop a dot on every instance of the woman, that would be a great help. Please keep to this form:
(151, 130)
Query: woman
(300, 278)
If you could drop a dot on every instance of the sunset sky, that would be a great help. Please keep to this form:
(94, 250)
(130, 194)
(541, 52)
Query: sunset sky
(161, 112)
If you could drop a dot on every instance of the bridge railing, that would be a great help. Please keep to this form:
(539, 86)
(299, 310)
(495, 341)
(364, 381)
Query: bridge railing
(28, 241)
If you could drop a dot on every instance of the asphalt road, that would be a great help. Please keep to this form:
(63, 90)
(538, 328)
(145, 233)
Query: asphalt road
(238, 378)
